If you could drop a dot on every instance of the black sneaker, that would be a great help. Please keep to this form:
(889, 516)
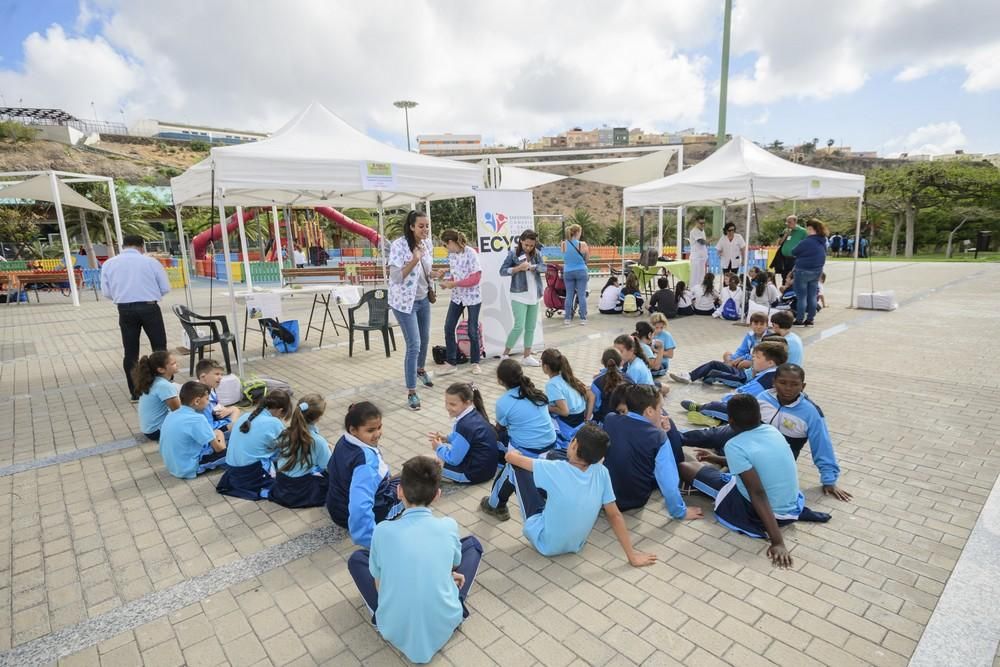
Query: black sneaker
(425, 377)
(798, 323)
(499, 513)
(808, 323)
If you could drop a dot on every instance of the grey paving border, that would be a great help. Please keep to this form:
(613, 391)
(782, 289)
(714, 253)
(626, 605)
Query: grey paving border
(85, 634)
(964, 628)
(71, 456)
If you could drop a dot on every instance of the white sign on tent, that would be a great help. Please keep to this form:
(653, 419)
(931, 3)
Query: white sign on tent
(501, 216)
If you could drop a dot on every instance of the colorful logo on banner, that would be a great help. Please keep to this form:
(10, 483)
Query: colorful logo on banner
(500, 239)
(494, 221)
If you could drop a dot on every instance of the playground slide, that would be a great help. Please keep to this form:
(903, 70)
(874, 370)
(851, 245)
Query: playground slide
(201, 241)
(342, 220)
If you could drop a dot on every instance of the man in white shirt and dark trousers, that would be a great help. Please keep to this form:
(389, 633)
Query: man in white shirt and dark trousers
(136, 283)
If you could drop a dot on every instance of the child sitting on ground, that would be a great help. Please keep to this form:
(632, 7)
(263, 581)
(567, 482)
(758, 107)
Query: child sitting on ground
(762, 470)
(684, 298)
(470, 452)
(667, 343)
(576, 490)
(731, 292)
(664, 301)
(152, 377)
(610, 302)
(303, 454)
(788, 409)
(781, 323)
(651, 348)
(523, 422)
(418, 573)
(731, 370)
(767, 356)
(571, 403)
(220, 417)
(253, 446)
(606, 382)
(636, 366)
(642, 457)
(361, 492)
(188, 445)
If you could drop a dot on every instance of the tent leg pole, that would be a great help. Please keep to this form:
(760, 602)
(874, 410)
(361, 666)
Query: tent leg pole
(288, 229)
(114, 214)
(381, 235)
(244, 249)
(229, 282)
(679, 254)
(857, 244)
(64, 237)
(430, 224)
(659, 234)
(185, 269)
(623, 238)
(277, 243)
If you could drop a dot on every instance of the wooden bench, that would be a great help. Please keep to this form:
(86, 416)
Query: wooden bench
(21, 280)
(349, 273)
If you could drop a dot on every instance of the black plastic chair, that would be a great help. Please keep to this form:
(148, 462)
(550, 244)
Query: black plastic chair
(377, 303)
(202, 332)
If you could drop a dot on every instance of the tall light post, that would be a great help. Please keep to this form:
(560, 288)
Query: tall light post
(406, 105)
(720, 137)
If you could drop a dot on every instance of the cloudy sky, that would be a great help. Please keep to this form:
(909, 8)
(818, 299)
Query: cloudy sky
(885, 75)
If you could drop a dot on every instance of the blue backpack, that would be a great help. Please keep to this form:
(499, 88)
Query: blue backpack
(730, 310)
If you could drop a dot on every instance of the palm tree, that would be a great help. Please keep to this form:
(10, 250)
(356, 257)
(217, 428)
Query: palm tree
(593, 232)
(776, 145)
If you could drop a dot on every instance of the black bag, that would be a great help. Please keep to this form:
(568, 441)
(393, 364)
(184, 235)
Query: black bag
(277, 331)
(440, 354)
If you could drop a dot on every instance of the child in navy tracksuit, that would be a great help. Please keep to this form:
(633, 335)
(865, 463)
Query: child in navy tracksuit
(361, 492)
(253, 446)
(303, 454)
(571, 403)
(732, 370)
(642, 457)
(469, 453)
(523, 423)
(606, 382)
(767, 356)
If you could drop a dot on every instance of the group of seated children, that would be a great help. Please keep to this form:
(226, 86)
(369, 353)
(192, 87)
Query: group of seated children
(615, 299)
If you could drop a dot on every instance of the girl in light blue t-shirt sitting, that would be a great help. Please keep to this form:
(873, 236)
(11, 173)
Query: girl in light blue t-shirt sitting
(158, 397)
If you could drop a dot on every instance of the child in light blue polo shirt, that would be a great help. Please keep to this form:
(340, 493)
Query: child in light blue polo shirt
(576, 490)
(418, 573)
(571, 402)
(253, 447)
(157, 394)
(781, 323)
(303, 454)
(188, 444)
(636, 368)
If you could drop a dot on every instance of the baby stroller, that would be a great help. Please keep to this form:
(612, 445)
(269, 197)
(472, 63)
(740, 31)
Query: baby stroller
(554, 295)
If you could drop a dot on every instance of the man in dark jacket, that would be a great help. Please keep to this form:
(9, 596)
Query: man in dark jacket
(663, 300)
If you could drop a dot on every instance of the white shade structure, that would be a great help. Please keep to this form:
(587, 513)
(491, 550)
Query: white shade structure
(39, 188)
(741, 172)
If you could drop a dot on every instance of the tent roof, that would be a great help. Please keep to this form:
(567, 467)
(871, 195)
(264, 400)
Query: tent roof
(632, 172)
(740, 172)
(39, 188)
(318, 159)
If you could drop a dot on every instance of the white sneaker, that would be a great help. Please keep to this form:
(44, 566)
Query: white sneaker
(583, 322)
(477, 369)
(447, 370)
(504, 356)
(683, 378)
(567, 323)
(530, 361)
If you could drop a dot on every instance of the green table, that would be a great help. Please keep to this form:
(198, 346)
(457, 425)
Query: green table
(680, 269)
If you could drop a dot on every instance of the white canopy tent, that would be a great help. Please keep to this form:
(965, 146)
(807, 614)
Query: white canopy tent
(316, 159)
(740, 172)
(51, 186)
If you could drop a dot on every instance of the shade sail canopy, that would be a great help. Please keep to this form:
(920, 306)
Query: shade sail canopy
(632, 172)
(518, 178)
(39, 188)
(741, 172)
(317, 159)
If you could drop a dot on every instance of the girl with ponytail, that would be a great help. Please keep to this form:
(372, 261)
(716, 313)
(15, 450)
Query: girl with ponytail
(469, 452)
(607, 382)
(303, 455)
(462, 278)
(253, 446)
(158, 397)
(571, 403)
(523, 422)
(636, 363)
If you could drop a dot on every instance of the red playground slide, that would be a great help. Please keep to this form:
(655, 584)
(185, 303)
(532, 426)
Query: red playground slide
(201, 241)
(342, 220)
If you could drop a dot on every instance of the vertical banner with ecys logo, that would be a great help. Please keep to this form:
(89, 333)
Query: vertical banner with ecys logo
(501, 216)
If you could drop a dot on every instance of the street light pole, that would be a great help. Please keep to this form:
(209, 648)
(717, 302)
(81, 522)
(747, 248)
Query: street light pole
(406, 105)
(720, 138)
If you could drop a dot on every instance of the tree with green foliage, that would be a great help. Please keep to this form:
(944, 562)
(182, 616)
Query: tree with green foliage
(457, 214)
(18, 227)
(17, 133)
(593, 232)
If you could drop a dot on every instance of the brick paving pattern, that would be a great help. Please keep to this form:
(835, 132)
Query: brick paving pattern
(100, 546)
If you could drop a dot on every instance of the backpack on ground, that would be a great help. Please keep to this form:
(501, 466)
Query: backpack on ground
(256, 388)
(465, 344)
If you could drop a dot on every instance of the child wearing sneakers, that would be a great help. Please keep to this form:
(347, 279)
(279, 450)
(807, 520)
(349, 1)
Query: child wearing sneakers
(188, 444)
(731, 370)
(417, 614)
(767, 356)
(470, 452)
(209, 372)
(781, 323)
(575, 491)
(642, 457)
(760, 492)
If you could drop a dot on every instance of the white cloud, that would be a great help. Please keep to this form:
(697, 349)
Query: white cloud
(818, 50)
(933, 139)
(507, 71)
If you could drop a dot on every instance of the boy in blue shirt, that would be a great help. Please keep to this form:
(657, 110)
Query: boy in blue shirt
(760, 492)
(642, 457)
(418, 573)
(781, 323)
(788, 409)
(188, 444)
(767, 356)
(732, 370)
(220, 417)
(576, 490)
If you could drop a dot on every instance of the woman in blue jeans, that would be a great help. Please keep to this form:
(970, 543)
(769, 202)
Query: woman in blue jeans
(810, 257)
(575, 253)
(409, 284)
(462, 278)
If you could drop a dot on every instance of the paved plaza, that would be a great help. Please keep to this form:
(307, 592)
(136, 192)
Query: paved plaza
(106, 559)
